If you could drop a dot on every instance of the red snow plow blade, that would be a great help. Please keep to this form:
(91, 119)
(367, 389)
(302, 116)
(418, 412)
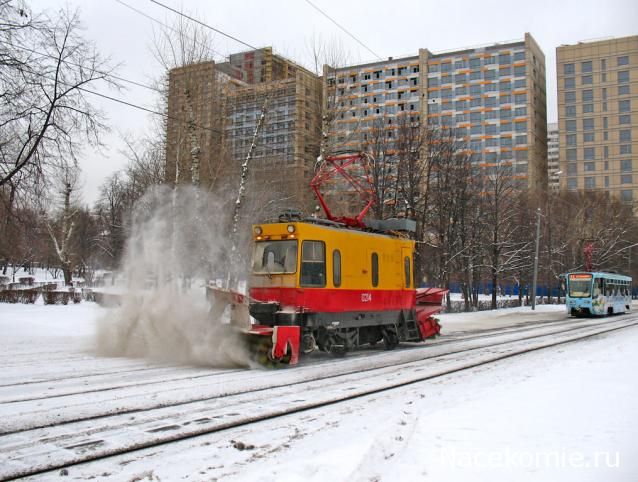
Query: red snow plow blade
(270, 346)
(429, 302)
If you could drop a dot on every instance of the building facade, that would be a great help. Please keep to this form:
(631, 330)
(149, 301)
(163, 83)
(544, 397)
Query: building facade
(493, 97)
(597, 115)
(213, 111)
(553, 165)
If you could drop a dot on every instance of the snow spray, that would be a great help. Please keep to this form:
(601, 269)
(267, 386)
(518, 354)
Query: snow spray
(176, 243)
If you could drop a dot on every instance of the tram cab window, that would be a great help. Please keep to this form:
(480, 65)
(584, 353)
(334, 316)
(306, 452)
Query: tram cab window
(275, 257)
(313, 264)
(407, 271)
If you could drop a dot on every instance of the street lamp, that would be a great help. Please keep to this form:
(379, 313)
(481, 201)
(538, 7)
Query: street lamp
(535, 276)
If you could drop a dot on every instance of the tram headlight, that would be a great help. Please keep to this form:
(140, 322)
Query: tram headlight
(258, 230)
(291, 228)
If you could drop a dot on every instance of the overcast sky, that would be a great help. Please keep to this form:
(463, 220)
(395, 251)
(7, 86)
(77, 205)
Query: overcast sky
(388, 28)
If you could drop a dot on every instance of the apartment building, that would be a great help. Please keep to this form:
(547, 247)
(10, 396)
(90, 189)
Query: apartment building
(493, 96)
(553, 165)
(597, 115)
(213, 110)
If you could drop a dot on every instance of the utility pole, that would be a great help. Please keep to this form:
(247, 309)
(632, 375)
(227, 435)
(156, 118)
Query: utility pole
(538, 237)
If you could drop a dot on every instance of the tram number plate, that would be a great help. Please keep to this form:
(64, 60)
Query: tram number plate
(366, 297)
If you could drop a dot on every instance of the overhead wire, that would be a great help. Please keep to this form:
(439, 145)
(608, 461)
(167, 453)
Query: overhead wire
(350, 34)
(159, 22)
(199, 22)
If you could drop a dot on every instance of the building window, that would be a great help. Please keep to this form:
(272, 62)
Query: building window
(570, 97)
(506, 99)
(506, 127)
(570, 83)
(588, 95)
(606, 181)
(588, 137)
(588, 124)
(519, 71)
(571, 139)
(521, 140)
(571, 154)
(572, 168)
(590, 182)
(586, 67)
(568, 69)
(624, 105)
(505, 71)
(588, 108)
(604, 106)
(489, 75)
(606, 164)
(605, 122)
(625, 165)
(520, 111)
(625, 135)
(626, 195)
(475, 75)
(504, 59)
(624, 119)
(624, 60)
(506, 113)
(520, 98)
(623, 76)
(475, 63)
(605, 136)
(603, 77)
(570, 125)
(518, 56)
(623, 89)
(590, 166)
(520, 83)
(625, 148)
(520, 126)
(589, 153)
(603, 64)
(571, 183)
(605, 152)
(604, 93)
(587, 79)
(626, 179)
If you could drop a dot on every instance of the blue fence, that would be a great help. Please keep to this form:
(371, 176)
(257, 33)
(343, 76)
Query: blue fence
(513, 289)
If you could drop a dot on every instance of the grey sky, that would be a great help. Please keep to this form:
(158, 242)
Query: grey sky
(395, 28)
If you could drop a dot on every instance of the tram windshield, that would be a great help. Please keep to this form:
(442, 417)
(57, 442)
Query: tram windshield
(275, 257)
(579, 287)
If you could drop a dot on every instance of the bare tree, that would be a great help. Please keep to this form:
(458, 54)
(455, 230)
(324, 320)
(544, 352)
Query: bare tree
(47, 72)
(61, 229)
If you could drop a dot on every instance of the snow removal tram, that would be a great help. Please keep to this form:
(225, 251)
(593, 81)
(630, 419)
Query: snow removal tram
(334, 284)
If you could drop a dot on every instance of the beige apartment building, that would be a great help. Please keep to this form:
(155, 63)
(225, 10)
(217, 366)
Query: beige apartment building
(597, 115)
(213, 110)
(492, 96)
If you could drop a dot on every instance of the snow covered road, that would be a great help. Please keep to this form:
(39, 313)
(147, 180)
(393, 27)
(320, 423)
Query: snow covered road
(94, 404)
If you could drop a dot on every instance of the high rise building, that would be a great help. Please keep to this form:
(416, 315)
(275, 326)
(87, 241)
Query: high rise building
(553, 166)
(598, 122)
(493, 96)
(213, 110)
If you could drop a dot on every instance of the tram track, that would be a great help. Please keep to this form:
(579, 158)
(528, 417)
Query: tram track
(79, 443)
(130, 401)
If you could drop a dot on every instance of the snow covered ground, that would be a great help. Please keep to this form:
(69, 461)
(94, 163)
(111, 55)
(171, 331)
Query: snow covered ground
(564, 413)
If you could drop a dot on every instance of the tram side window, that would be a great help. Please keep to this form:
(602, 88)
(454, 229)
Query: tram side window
(375, 269)
(336, 268)
(313, 264)
(407, 271)
(598, 287)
